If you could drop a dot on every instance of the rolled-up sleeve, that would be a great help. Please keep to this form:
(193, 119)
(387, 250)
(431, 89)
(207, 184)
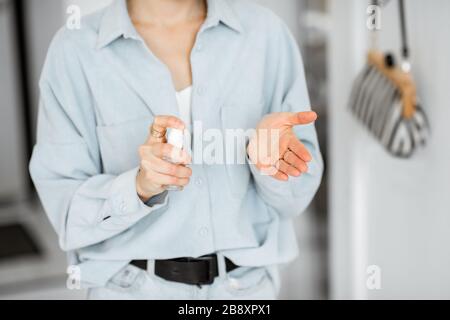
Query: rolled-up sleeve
(84, 206)
(290, 94)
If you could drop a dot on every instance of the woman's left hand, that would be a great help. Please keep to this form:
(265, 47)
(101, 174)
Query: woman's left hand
(276, 150)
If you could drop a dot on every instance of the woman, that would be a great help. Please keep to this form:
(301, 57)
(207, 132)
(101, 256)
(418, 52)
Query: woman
(102, 165)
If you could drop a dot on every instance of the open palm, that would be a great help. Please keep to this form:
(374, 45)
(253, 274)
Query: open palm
(276, 150)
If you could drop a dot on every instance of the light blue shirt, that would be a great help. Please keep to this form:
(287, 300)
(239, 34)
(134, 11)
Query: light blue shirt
(100, 89)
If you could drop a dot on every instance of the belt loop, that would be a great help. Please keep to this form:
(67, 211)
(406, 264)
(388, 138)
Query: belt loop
(221, 266)
(151, 267)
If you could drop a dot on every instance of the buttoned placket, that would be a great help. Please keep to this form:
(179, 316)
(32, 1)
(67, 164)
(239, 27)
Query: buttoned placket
(168, 96)
(205, 227)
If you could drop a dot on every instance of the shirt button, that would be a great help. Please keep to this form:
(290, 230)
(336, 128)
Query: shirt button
(203, 231)
(201, 90)
(199, 182)
(199, 47)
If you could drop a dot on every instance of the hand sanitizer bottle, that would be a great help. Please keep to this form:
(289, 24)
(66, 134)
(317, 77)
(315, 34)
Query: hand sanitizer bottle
(175, 138)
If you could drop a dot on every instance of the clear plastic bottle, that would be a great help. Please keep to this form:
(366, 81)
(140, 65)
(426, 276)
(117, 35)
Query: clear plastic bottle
(175, 137)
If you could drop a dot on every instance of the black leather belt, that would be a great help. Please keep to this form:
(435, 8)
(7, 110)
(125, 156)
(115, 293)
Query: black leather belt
(195, 271)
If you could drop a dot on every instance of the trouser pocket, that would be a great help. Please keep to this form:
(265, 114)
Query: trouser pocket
(251, 283)
(124, 285)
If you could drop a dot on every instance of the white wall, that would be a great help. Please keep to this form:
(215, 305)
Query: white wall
(387, 212)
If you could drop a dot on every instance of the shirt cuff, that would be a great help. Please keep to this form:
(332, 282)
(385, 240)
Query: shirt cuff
(157, 200)
(125, 201)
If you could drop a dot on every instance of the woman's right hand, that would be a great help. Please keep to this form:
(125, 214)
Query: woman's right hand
(156, 173)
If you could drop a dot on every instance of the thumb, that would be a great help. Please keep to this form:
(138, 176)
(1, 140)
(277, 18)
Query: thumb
(301, 118)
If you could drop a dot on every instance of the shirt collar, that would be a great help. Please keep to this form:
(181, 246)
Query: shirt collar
(116, 21)
(220, 11)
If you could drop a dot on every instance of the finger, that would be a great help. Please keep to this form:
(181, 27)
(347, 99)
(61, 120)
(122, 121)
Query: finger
(300, 150)
(291, 158)
(145, 152)
(160, 125)
(170, 169)
(281, 176)
(287, 169)
(300, 118)
(165, 180)
(272, 171)
(164, 150)
(152, 140)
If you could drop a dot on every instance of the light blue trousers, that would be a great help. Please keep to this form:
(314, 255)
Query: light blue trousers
(245, 283)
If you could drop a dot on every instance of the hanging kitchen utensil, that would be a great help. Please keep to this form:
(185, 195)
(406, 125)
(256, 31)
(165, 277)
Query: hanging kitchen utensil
(384, 98)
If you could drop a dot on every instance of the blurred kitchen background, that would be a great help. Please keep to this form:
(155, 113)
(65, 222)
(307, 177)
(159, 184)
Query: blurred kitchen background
(371, 209)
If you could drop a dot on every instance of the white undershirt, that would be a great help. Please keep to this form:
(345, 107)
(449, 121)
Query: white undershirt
(184, 105)
(184, 100)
